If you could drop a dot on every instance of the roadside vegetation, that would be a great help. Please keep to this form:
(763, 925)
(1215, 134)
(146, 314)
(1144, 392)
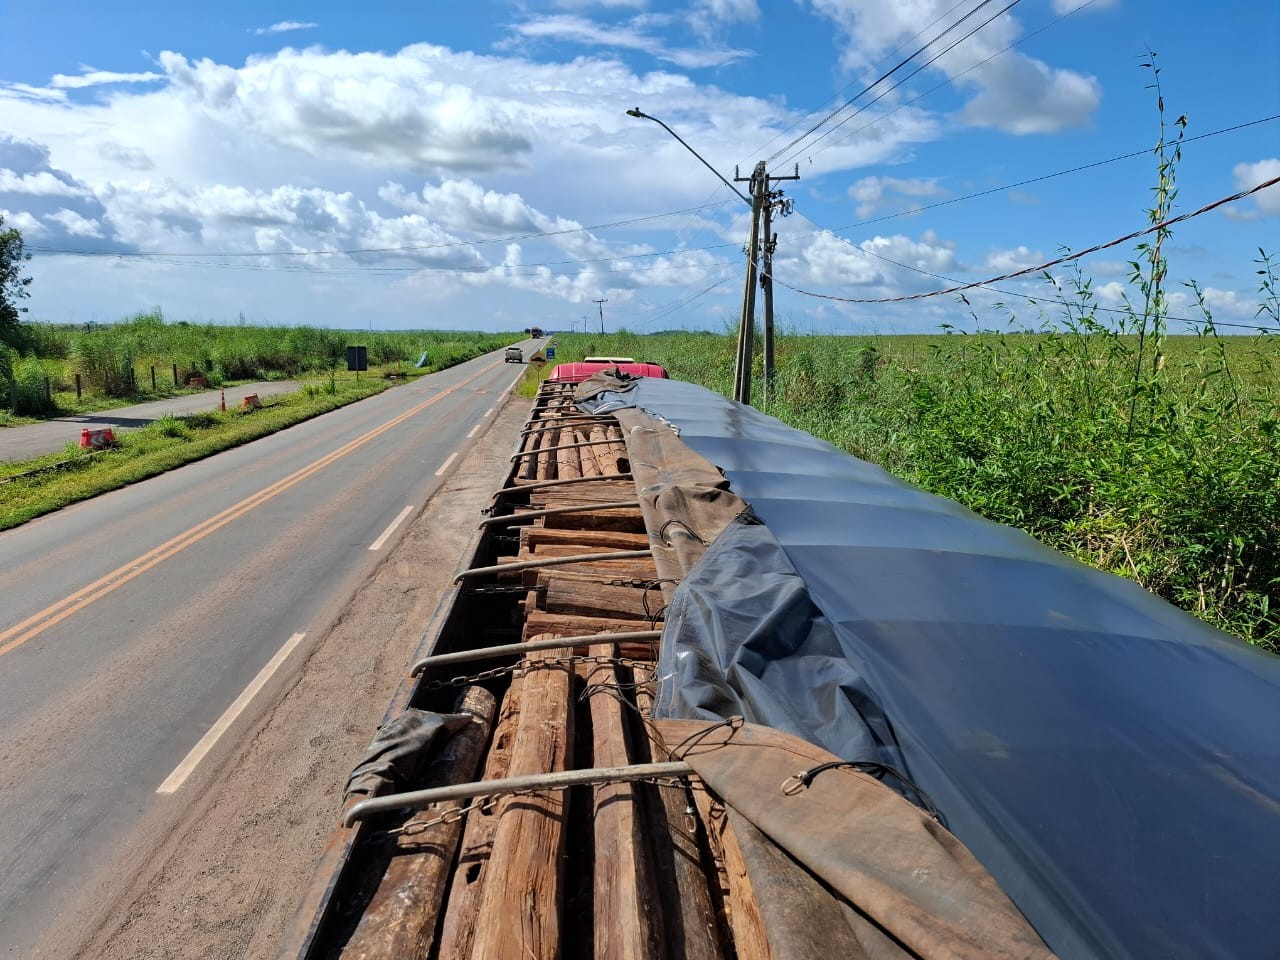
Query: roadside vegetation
(34, 487)
(109, 355)
(146, 358)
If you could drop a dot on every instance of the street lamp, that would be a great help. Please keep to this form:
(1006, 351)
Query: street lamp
(637, 112)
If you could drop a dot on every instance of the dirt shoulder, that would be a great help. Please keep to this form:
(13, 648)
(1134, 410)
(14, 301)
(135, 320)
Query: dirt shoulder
(226, 882)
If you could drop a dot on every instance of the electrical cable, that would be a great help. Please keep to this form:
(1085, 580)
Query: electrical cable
(832, 99)
(880, 79)
(952, 79)
(1039, 268)
(900, 82)
(411, 247)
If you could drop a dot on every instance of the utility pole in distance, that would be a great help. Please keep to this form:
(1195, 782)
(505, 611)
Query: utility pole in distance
(773, 199)
(600, 304)
(763, 200)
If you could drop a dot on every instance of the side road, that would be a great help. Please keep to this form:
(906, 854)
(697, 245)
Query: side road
(37, 439)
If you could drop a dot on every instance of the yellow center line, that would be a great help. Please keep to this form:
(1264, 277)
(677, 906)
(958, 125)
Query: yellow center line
(55, 613)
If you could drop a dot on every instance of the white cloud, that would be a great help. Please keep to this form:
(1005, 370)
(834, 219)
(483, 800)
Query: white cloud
(25, 222)
(871, 192)
(1013, 92)
(882, 266)
(1017, 258)
(93, 78)
(40, 184)
(568, 28)
(75, 224)
(286, 26)
(1267, 202)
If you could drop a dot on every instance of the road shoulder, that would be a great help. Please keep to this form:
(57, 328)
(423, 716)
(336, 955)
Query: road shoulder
(225, 881)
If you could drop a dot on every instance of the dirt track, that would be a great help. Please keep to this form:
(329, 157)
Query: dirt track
(226, 881)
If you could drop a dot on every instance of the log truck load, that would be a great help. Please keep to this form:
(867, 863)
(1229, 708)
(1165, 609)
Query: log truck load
(707, 687)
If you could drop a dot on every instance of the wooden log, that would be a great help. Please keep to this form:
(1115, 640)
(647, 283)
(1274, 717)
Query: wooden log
(627, 915)
(689, 917)
(520, 904)
(539, 622)
(568, 462)
(537, 537)
(590, 466)
(400, 919)
(462, 911)
(546, 465)
(586, 599)
(743, 913)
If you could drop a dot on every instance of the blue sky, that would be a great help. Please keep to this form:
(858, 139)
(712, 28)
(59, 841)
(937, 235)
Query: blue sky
(337, 163)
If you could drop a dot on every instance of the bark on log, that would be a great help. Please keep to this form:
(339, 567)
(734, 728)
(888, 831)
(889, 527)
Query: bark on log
(400, 919)
(462, 912)
(627, 916)
(521, 902)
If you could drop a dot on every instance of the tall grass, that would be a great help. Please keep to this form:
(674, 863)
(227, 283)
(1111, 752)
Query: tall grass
(116, 360)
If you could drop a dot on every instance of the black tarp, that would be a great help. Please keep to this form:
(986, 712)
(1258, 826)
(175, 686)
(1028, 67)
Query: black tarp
(1114, 762)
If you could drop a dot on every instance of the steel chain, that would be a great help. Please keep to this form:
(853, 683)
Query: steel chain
(524, 666)
(454, 814)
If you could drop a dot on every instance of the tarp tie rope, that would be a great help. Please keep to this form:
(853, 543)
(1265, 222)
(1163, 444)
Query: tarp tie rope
(802, 780)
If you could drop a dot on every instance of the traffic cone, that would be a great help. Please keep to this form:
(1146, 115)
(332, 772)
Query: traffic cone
(224, 400)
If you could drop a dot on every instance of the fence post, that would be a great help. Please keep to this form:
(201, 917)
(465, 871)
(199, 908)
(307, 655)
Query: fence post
(77, 388)
(153, 378)
(175, 376)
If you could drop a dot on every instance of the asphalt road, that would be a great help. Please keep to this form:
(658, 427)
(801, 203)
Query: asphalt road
(141, 632)
(36, 439)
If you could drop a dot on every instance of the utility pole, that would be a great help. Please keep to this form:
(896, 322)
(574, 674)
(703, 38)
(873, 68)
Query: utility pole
(774, 199)
(762, 203)
(600, 304)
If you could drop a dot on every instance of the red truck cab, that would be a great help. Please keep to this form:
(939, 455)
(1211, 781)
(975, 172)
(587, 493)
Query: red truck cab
(581, 370)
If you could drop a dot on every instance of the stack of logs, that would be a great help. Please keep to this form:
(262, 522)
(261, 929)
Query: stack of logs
(624, 870)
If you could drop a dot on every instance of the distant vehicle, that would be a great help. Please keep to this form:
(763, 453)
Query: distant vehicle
(577, 372)
(535, 332)
(514, 355)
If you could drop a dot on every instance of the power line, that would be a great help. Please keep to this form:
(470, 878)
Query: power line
(1039, 268)
(1033, 298)
(900, 82)
(884, 76)
(951, 80)
(833, 97)
(1049, 176)
(398, 249)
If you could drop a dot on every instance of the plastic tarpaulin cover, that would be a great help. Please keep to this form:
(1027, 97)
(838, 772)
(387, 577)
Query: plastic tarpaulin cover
(1112, 761)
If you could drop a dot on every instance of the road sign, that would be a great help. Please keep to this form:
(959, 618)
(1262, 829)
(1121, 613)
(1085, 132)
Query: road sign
(551, 353)
(357, 358)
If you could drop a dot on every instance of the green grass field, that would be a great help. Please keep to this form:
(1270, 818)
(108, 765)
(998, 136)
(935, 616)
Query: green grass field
(116, 362)
(1165, 471)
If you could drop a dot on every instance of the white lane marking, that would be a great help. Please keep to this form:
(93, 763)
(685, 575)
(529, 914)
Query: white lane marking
(175, 780)
(386, 534)
(485, 415)
(445, 466)
(472, 432)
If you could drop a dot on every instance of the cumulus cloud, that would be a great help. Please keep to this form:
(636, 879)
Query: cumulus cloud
(876, 193)
(1016, 258)
(88, 77)
(286, 26)
(1267, 202)
(75, 224)
(49, 202)
(632, 35)
(880, 266)
(1012, 92)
